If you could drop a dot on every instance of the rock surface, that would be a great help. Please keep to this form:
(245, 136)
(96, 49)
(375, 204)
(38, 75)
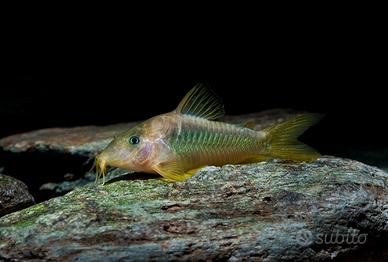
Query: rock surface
(14, 195)
(268, 211)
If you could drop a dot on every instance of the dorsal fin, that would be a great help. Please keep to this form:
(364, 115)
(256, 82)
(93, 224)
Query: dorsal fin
(200, 101)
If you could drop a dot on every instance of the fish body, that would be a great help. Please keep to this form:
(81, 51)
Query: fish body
(177, 143)
(198, 142)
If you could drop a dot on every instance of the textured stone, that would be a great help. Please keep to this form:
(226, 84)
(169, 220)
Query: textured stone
(14, 195)
(267, 211)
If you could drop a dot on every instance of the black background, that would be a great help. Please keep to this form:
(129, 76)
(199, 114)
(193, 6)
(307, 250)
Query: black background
(92, 73)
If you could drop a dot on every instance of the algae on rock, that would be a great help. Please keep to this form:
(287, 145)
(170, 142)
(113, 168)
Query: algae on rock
(267, 211)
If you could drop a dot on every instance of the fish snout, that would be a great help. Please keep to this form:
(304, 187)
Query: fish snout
(114, 157)
(101, 165)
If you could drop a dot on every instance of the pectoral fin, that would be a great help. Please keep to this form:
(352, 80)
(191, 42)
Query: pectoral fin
(172, 171)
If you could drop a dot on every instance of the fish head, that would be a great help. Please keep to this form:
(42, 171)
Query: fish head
(130, 150)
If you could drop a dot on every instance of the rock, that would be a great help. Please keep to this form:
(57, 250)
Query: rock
(88, 140)
(66, 186)
(269, 211)
(14, 195)
(75, 140)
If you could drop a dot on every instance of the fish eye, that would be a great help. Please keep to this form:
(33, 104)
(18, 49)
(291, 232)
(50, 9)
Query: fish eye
(134, 140)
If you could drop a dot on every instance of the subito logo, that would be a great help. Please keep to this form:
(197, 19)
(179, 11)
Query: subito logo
(304, 237)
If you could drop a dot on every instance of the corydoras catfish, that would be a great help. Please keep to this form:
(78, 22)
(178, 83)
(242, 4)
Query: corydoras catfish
(178, 143)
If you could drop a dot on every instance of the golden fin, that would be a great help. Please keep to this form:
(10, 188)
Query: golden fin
(282, 139)
(173, 172)
(200, 101)
(193, 171)
(255, 159)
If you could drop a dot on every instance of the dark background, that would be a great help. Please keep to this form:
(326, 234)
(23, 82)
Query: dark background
(85, 74)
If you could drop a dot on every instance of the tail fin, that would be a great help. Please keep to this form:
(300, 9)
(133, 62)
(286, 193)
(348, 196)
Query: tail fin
(283, 138)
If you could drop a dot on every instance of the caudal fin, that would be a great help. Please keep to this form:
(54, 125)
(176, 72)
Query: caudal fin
(283, 139)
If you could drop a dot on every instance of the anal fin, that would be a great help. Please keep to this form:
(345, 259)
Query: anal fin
(256, 159)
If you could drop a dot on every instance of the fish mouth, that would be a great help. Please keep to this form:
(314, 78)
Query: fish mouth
(102, 162)
(101, 167)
